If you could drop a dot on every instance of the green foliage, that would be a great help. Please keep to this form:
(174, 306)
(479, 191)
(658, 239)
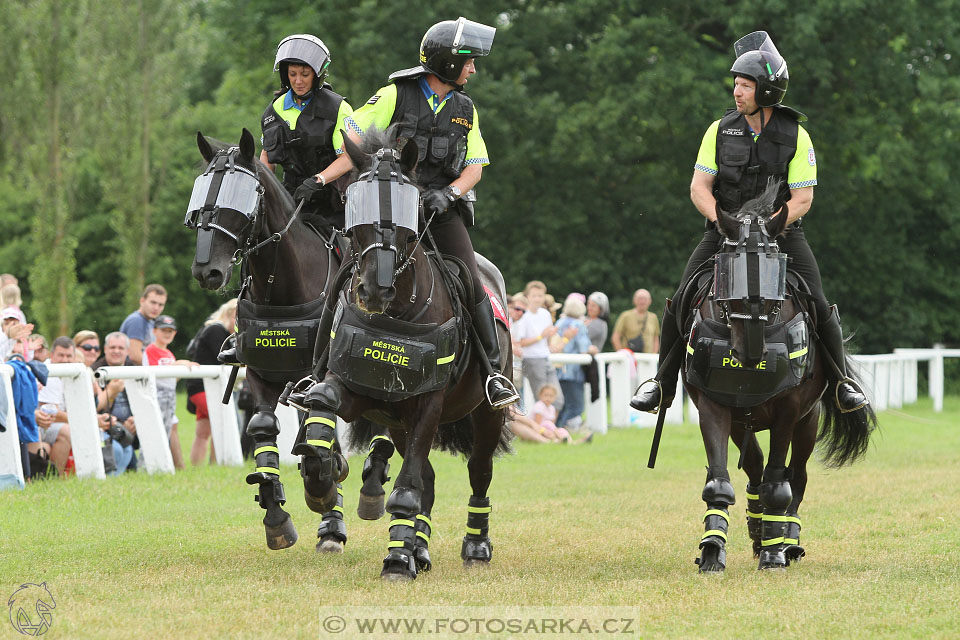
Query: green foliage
(592, 112)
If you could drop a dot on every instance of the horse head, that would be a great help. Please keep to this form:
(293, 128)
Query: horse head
(382, 215)
(750, 273)
(224, 207)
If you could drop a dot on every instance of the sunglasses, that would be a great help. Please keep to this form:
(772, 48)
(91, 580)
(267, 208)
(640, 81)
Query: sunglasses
(90, 347)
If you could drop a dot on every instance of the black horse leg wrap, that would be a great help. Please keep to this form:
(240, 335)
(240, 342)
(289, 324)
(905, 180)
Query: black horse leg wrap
(715, 523)
(381, 450)
(792, 534)
(776, 497)
(478, 516)
(332, 525)
(422, 541)
(264, 427)
(402, 546)
(718, 489)
(754, 512)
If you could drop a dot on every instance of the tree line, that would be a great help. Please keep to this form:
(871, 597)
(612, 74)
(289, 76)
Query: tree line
(592, 111)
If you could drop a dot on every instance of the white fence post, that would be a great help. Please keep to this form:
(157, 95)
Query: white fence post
(620, 389)
(11, 466)
(224, 428)
(85, 435)
(597, 411)
(289, 419)
(148, 419)
(936, 379)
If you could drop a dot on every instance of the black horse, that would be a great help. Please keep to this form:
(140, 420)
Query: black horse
(242, 213)
(751, 365)
(398, 357)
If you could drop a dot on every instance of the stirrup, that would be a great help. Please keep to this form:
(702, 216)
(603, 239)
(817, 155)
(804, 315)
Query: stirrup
(655, 410)
(295, 395)
(857, 387)
(514, 396)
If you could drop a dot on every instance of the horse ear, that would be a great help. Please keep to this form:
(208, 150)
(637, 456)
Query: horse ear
(205, 149)
(776, 225)
(727, 225)
(246, 145)
(353, 150)
(409, 156)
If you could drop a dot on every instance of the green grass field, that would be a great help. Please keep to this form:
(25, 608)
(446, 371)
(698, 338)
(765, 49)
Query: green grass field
(184, 556)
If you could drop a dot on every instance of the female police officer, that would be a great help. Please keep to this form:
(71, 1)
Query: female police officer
(301, 127)
(429, 104)
(760, 139)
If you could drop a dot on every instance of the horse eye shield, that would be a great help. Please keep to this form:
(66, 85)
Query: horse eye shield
(741, 276)
(236, 190)
(368, 202)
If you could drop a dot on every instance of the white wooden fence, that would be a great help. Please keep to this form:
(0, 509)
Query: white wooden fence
(890, 380)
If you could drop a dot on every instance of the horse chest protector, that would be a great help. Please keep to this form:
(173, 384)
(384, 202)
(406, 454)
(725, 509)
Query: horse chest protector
(391, 359)
(711, 367)
(277, 339)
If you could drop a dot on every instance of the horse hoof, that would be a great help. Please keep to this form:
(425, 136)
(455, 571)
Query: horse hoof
(794, 552)
(713, 557)
(476, 551)
(281, 536)
(321, 504)
(330, 545)
(770, 559)
(370, 507)
(470, 563)
(399, 576)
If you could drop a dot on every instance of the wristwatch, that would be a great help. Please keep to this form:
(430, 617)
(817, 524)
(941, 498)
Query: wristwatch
(452, 192)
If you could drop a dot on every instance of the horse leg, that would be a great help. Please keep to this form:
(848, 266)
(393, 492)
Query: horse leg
(404, 504)
(375, 470)
(263, 428)
(804, 441)
(753, 467)
(717, 491)
(487, 424)
(322, 465)
(776, 496)
(424, 525)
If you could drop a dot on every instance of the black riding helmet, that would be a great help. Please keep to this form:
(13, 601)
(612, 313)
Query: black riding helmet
(447, 45)
(759, 60)
(305, 49)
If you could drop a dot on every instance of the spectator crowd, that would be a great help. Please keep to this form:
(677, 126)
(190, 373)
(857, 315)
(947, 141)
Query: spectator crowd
(144, 338)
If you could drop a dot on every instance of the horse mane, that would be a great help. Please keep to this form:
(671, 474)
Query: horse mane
(371, 141)
(763, 205)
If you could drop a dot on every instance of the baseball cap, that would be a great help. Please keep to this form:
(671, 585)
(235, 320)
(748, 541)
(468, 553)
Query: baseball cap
(164, 322)
(11, 312)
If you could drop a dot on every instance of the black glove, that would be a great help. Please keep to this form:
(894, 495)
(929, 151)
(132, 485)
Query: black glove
(308, 190)
(436, 201)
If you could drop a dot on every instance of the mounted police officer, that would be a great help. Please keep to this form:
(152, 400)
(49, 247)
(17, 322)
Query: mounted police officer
(430, 106)
(302, 127)
(758, 140)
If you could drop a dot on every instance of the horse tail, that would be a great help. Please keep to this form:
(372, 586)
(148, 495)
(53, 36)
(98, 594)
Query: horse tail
(360, 433)
(457, 437)
(844, 437)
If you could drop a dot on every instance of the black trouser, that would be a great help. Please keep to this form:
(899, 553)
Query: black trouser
(452, 238)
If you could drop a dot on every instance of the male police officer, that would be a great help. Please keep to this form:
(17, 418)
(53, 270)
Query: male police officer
(759, 139)
(429, 104)
(301, 127)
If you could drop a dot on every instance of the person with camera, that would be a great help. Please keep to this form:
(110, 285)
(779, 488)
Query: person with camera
(759, 140)
(302, 127)
(114, 413)
(637, 329)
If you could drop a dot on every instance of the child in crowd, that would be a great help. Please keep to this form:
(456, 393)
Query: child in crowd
(545, 415)
(157, 354)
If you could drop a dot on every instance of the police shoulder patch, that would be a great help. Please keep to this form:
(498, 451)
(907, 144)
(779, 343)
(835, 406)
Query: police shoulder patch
(811, 157)
(374, 99)
(732, 132)
(463, 122)
(269, 119)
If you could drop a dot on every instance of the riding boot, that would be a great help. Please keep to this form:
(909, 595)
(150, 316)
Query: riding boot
(848, 395)
(228, 351)
(500, 391)
(660, 395)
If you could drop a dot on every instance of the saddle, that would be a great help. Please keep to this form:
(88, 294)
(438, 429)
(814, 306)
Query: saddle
(709, 364)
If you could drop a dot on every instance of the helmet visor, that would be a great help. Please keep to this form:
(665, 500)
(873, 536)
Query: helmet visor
(472, 38)
(760, 41)
(303, 47)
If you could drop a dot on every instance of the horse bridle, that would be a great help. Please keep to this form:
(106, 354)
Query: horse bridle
(225, 186)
